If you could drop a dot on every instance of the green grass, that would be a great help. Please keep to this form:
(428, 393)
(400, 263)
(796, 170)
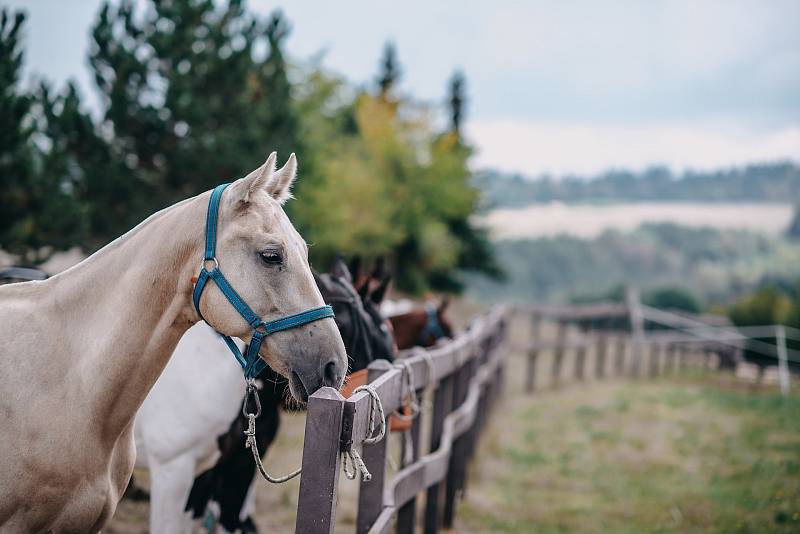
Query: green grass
(657, 456)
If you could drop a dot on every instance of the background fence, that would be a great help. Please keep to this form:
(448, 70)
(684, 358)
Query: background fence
(461, 379)
(630, 339)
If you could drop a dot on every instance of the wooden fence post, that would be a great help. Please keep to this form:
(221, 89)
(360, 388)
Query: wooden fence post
(783, 364)
(580, 353)
(407, 515)
(600, 357)
(637, 329)
(442, 406)
(558, 351)
(669, 359)
(370, 494)
(459, 451)
(655, 355)
(619, 367)
(533, 352)
(316, 506)
(683, 362)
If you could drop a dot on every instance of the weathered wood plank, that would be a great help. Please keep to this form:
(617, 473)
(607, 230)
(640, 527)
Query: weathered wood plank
(370, 494)
(316, 508)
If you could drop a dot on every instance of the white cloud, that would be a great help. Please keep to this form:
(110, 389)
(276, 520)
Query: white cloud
(560, 148)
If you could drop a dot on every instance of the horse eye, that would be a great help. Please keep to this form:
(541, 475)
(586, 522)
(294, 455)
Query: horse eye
(271, 257)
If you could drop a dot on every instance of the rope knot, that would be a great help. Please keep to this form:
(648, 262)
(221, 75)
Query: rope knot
(375, 408)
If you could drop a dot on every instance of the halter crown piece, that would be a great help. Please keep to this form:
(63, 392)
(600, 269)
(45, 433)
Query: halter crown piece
(251, 362)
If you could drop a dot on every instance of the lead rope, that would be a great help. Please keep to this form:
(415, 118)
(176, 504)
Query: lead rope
(355, 458)
(408, 374)
(413, 403)
(251, 435)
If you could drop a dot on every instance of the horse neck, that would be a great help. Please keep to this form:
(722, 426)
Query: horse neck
(129, 304)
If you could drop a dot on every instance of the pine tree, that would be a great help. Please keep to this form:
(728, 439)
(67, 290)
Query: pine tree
(390, 70)
(456, 99)
(279, 120)
(189, 102)
(41, 213)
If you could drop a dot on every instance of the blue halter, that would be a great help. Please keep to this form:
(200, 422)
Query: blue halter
(251, 362)
(432, 326)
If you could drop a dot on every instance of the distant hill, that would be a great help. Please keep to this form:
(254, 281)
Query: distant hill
(779, 182)
(715, 265)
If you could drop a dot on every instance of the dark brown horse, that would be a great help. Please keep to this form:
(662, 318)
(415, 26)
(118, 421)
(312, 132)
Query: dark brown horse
(422, 327)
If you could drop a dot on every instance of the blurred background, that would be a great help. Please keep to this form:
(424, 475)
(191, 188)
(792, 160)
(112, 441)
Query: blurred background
(523, 152)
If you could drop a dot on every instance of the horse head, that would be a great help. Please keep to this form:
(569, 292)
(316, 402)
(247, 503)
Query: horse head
(264, 258)
(364, 331)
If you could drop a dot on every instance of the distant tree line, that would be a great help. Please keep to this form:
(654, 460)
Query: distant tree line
(777, 182)
(197, 93)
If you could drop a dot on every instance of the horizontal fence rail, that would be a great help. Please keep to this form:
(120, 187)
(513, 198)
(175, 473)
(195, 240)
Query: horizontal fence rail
(463, 376)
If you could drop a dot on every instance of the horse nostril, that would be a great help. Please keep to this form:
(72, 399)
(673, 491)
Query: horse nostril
(331, 374)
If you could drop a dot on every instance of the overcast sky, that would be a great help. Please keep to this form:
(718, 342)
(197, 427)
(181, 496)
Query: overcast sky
(559, 86)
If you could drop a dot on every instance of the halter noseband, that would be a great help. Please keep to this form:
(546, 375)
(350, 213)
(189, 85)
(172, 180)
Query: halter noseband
(251, 362)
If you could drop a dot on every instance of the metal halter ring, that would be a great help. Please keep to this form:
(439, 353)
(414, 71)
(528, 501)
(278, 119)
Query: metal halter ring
(206, 260)
(252, 391)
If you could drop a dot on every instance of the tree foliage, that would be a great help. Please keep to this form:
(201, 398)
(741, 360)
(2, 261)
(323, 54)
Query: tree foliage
(40, 212)
(197, 93)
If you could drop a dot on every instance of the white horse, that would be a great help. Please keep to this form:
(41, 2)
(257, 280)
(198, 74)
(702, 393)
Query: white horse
(195, 399)
(80, 351)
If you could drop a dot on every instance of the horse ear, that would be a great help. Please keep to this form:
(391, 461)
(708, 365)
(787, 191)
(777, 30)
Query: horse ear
(380, 291)
(340, 270)
(355, 268)
(259, 178)
(379, 268)
(280, 185)
(363, 290)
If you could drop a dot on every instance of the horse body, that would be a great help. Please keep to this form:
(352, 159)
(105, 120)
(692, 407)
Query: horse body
(81, 350)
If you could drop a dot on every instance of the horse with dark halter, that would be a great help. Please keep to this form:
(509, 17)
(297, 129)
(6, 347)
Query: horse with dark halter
(422, 327)
(366, 336)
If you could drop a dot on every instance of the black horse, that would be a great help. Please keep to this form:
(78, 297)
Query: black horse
(366, 338)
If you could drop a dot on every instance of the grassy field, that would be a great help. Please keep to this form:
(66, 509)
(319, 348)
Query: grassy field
(684, 455)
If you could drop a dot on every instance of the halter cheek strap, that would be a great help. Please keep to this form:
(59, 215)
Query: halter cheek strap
(251, 362)
(432, 326)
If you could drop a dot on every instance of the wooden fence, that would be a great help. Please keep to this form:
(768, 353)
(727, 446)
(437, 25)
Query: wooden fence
(464, 377)
(623, 347)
